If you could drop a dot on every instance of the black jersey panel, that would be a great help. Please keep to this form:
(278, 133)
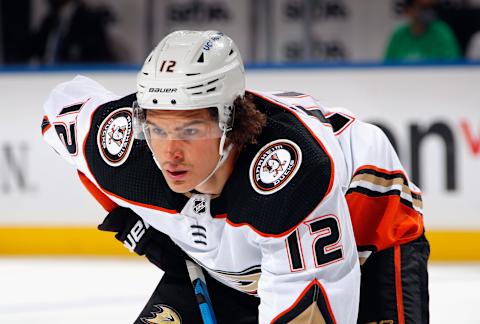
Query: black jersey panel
(138, 179)
(276, 213)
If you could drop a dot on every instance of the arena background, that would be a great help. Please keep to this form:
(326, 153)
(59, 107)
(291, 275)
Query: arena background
(330, 49)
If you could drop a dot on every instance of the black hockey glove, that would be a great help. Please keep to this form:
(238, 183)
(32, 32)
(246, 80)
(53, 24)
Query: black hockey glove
(143, 239)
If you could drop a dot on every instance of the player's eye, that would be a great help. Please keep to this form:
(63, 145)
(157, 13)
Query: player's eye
(157, 131)
(190, 132)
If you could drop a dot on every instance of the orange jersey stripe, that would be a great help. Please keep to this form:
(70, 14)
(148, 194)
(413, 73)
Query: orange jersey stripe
(103, 199)
(383, 221)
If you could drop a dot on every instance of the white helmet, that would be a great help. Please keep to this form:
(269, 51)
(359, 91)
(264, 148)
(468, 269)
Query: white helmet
(192, 70)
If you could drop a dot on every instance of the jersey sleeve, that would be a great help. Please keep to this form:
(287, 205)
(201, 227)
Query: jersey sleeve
(385, 205)
(67, 122)
(311, 275)
(67, 118)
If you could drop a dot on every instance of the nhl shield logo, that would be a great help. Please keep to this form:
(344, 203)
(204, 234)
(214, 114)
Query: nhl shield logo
(274, 166)
(199, 206)
(115, 137)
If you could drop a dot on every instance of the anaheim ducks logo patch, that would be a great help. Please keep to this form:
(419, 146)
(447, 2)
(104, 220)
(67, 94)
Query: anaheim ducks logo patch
(274, 166)
(115, 137)
(165, 314)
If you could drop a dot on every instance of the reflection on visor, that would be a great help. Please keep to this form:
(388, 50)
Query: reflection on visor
(195, 130)
(156, 129)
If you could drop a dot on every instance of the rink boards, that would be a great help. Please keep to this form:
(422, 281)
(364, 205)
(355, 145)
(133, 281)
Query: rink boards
(431, 114)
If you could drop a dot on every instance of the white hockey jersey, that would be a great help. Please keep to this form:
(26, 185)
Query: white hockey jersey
(281, 228)
(385, 205)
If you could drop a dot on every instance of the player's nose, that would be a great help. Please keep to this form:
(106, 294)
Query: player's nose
(173, 149)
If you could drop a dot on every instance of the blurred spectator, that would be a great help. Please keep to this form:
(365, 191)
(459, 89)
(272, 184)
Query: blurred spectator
(473, 49)
(15, 19)
(72, 32)
(423, 37)
(463, 18)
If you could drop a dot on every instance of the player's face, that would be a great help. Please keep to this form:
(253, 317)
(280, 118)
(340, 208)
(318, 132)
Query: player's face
(185, 144)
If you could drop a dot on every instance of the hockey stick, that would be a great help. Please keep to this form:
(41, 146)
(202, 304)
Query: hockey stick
(201, 293)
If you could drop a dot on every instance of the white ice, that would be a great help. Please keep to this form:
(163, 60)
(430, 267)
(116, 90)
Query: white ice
(89, 290)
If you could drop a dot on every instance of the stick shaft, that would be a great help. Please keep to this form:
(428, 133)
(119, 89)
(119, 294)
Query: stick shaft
(201, 293)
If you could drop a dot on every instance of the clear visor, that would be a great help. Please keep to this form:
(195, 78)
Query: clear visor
(152, 125)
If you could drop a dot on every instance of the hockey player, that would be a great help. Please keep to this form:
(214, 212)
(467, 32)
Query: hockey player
(255, 187)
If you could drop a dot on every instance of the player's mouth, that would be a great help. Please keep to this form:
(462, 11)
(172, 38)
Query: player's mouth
(176, 174)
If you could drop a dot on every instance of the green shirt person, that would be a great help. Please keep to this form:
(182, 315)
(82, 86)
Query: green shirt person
(437, 43)
(423, 38)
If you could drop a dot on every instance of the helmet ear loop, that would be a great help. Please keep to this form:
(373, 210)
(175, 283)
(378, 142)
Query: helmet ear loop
(226, 125)
(138, 121)
(221, 146)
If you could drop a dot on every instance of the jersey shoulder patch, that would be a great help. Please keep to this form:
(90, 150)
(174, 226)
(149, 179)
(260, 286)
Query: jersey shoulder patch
(274, 165)
(280, 180)
(115, 136)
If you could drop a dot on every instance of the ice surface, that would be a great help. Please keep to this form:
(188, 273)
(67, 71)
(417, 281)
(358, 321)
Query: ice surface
(94, 290)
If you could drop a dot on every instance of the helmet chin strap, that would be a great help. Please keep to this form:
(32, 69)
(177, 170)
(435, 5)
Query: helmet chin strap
(224, 152)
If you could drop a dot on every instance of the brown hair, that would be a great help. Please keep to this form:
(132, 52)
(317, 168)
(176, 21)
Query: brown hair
(248, 122)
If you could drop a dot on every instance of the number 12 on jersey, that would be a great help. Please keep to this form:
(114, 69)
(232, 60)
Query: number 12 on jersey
(66, 127)
(326, 247)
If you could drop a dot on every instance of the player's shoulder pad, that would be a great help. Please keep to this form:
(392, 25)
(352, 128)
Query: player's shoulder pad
(280, 180)
(67, 115)
(123, 165)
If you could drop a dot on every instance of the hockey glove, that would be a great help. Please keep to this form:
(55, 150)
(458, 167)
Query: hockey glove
(139, 237)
